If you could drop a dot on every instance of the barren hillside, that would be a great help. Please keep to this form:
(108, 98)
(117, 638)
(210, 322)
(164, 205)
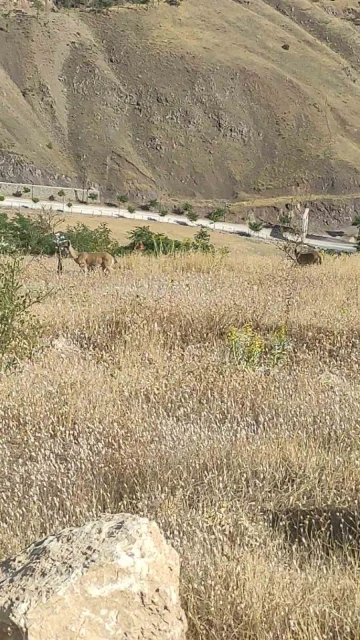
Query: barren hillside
(199, 101)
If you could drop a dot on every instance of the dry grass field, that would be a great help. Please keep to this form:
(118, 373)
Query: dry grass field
(134, 401)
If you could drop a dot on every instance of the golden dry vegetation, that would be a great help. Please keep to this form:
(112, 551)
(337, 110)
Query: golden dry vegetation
(134, 402)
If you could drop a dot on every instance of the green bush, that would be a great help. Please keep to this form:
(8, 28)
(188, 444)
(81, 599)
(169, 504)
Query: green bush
(131, 208)
(19, 331)
(52, 198)
(2, 198)
(28, 235)
(284, 219)
(255, 226)
(17, 194)
(160, 244)
(216, 215)
(27, 190)
(153, 204)
(123, 198)
(192, 216)
(187, 206)
(163, 212)
(61, 193)
(36, 200)
(85, 239)
(93, 196)
(69, 204)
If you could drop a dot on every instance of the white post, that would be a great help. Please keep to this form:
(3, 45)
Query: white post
(305, 225)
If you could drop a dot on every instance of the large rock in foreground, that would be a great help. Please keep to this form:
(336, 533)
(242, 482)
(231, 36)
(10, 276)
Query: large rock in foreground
(113, 578)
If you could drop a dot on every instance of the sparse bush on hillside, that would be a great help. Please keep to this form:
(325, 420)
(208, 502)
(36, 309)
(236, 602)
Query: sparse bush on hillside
(153, 204)
(255, 226)
(52, 198)
(35, 200)
(27, 190)
(93, 196)
(285, 219)
(187, 206)
(192, 215)
(2, 198)
(131, 208)
(123, 198)
(17, 194)
(216, 215)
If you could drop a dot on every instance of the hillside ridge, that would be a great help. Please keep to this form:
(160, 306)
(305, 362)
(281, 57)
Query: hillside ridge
(215, 99)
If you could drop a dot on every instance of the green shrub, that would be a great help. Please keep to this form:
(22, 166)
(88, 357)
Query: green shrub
(85, 239)
(93, 196)
(17, 194)
(19, 331)
(69, 204)
(36, 200)
(2, 198)
(61, 193)
(216, 215)
(52, 198)
(187, 206)
(27, 190)
(203, 235)
(163, 212)
(28, 234)
(192, 216)
(131, 208)
(284, 219)
(123, 198)
(160, 244)
(255, 226)
(153, 204)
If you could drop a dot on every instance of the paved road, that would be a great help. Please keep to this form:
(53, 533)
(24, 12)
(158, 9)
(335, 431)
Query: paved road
(225, 227)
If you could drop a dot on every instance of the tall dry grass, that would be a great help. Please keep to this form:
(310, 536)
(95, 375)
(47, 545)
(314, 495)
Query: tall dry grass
(134, 403)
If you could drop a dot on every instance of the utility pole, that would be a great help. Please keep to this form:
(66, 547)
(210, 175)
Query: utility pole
(305, 225)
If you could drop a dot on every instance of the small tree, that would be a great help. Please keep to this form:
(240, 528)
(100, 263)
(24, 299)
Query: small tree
(93, 196)
(202, 235)
(35, 200)
(163, 212)
(255, 226)
(18, 329)
(27, 190)
(131, 208)
(187, 206)
(61, 194)
(192, 216)
(2, 198)
(69, 204)
(123, 198)
(153, 204)
(216, 215)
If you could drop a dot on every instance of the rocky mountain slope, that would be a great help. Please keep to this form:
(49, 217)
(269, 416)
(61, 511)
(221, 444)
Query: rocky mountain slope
(228, 99)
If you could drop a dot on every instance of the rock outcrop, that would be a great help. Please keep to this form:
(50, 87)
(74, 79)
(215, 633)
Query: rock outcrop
(112, 578)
